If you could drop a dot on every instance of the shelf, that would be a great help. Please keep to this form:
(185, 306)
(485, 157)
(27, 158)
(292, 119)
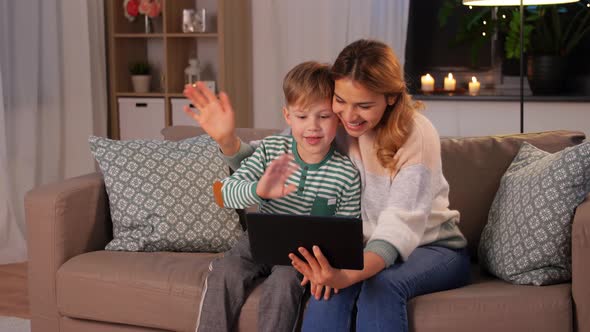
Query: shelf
(139, 35)
(192, 35)
(491, 95)
(226, 61)
(136, 94)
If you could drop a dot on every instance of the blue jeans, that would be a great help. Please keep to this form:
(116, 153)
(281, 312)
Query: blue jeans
(381, 300)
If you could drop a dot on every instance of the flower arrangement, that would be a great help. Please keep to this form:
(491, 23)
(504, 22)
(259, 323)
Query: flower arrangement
(131, 8)
(149, 8)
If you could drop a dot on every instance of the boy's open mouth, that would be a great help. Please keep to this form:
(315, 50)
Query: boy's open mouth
(312, 140)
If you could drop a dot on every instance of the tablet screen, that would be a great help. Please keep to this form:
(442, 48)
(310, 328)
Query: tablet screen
(274, 236)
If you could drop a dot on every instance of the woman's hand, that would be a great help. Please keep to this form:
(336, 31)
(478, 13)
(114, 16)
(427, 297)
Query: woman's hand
(216, 116)
(316, 290)
(273, 183)
(320, 273)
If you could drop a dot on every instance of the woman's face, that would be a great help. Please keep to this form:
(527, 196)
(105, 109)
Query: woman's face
(359, 109)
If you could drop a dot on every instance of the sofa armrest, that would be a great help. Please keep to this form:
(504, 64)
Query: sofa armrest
(64, 220)
(580, 266)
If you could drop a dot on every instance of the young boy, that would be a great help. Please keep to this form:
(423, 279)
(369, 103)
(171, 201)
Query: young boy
(323, 182)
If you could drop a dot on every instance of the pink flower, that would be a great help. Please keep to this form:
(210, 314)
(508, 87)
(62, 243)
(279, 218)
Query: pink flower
(155, 10)
(131, 9)
(151, 8)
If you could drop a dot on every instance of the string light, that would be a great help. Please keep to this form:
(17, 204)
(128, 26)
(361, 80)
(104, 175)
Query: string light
(484, 22)
(483, 34)
(470, 7)
(504, 16)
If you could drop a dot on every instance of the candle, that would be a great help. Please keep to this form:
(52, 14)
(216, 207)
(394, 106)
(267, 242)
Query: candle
(450, 83)
(473, 86)
(427, 82)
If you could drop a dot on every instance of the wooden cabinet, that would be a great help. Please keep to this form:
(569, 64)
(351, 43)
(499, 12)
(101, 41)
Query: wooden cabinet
(224, 52)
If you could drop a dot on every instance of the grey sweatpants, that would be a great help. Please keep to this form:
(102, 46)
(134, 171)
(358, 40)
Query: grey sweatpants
(231, 279)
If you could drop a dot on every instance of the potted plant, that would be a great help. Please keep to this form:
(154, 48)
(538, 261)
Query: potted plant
(551, 33)
(470, 27)
(556, 34)
(479, 24)
(140, 76)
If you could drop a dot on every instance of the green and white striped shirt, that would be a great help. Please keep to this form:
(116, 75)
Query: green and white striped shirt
(330, 187)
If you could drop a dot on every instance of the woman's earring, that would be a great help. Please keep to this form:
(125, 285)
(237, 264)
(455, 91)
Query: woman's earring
(391, 100)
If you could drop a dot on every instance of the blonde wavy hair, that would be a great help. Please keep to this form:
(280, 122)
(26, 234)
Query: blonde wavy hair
(374, 65)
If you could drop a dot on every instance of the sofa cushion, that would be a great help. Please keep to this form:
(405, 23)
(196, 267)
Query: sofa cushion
(527, 239)
(157, 290)
(473, 166)
(160, 195)
(489, 304)
(163, 290)
(67, 324)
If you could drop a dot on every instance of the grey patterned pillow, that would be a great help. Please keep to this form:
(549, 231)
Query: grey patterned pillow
(160, 195)
(527, 239)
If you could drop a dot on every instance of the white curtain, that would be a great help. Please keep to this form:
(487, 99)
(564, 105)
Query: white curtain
(286, 33)
(53, 96)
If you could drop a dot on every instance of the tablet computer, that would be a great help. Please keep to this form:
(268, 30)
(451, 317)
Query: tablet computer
(274, 236)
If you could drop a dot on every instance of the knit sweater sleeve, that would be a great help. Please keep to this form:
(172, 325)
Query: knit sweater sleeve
(244, 152)
(401, 221)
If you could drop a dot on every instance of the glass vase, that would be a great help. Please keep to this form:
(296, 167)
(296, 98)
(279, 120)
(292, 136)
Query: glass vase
(148, 24)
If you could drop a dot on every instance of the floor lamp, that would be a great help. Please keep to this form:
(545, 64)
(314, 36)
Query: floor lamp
(520, 3)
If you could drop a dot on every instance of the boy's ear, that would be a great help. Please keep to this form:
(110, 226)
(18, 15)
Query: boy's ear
(286, 115)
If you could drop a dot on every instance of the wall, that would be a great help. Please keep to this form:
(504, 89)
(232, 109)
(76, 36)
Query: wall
(477, 118)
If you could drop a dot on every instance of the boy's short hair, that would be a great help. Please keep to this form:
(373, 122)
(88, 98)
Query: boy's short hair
(308, 82)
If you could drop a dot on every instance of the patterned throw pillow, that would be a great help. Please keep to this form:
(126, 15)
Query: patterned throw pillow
(160, 195)
(527, 239)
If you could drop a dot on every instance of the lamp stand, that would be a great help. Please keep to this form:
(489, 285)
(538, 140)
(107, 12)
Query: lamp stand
(521, 67)
(514, 3)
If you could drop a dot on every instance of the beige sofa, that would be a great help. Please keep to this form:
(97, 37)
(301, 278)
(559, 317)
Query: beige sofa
(77, 286)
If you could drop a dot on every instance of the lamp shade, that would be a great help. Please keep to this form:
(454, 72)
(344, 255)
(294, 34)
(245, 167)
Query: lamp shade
(513, 2)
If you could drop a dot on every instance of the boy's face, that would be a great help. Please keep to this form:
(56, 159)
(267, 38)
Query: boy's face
(313, 128)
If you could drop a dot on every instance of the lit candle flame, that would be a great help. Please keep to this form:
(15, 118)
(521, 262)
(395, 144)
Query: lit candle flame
(450, 76)
(473, 79)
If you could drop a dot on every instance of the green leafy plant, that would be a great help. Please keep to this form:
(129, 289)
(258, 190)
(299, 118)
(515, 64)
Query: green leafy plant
(471, 31)
(559, 30)
(547, 29)
(512, 32)
(140, 68)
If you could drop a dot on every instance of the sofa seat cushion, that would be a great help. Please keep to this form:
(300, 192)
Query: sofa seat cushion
(490, 304)
(158, 290)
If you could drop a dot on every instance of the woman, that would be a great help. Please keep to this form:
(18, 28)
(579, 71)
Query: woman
(413, 244)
